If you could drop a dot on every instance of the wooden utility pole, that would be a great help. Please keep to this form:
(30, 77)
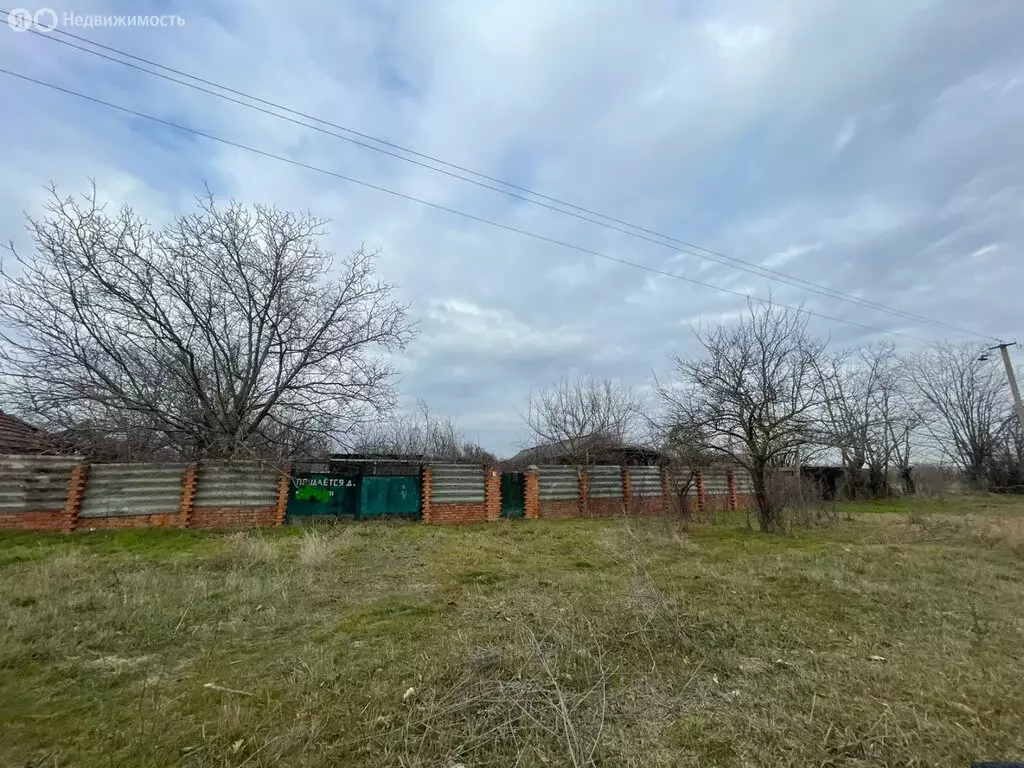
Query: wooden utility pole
(1003, 350)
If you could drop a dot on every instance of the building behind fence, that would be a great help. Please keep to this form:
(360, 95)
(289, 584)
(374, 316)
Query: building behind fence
(62, 493)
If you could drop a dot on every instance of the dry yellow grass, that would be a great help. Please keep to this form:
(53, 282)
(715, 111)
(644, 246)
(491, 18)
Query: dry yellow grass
(890, 638)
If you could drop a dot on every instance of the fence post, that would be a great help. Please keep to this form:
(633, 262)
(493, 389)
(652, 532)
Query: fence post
(428, 478)
(584, 492)
(188, 495)
(76, 492)
(734, 501)
(283, 484)
(492, 494)
(627, 489)
(531, 495)
(667, 506)
(701, 496)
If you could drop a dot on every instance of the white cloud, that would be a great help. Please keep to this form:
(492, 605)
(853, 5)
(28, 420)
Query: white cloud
(703, 121)
(846, 134)
(792, 252)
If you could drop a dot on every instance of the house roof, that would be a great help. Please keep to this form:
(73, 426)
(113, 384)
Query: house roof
(18, 437)
(601, 451)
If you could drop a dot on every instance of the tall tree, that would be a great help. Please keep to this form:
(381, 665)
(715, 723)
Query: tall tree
(228, 332)
(752, 395)
(421, 434)
(866, 417)
(963, 401)
(580, 417)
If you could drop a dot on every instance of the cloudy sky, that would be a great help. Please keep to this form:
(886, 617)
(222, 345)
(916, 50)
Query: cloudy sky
(872, 147)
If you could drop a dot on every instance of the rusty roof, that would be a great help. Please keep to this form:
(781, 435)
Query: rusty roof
(18, 437)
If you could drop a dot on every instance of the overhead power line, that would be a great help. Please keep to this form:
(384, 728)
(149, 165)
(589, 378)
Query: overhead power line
(453, 211)
(602, 220)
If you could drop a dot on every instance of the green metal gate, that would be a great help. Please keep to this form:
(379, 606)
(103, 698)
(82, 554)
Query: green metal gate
(513, 494)
(390, 495)
(316, 494)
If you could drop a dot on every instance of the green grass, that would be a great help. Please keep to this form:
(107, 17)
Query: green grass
(893, 636)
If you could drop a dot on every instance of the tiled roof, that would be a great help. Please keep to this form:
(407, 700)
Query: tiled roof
(18, 437)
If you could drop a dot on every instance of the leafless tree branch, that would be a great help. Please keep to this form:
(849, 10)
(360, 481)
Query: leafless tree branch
(227, 332)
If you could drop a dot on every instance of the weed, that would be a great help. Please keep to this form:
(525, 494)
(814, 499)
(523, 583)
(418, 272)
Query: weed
(637, 642)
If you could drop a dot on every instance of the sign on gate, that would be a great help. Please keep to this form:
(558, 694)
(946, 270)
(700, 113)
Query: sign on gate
(316, 493)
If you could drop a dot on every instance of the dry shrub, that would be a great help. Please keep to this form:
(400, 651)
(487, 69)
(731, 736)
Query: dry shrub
(1006, 532)
(249, 548)
(317, 547)
(933, 481)
(801, 500)
(540, 700)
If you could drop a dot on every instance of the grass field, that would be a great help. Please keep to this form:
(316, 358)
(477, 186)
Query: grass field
(894, 636)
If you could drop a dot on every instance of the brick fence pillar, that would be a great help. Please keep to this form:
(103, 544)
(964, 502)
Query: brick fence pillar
(667, 505)
(73, 502)
(584, 492)
(627, 489)
(425, 485)
(702, 499)
(734, 501)
(283, 483)
(188, 495)
(532, 493)
(492, 494)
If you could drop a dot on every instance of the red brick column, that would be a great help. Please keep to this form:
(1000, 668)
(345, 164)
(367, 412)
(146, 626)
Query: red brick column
(532, 493)
(734, 501)
(492, 494)
(667, 496)
(701, 495)
(428, 478)
(76, 492)
(627, 489)
(282, 494)
(188, 495)
(584, 492)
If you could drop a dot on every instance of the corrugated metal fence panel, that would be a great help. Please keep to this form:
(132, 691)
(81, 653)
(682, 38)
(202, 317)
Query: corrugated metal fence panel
(645, 481)
(604, 482)
(34, 483)
(716, 482)
(744, 483)
(559, 483)
(132, 489)
(243, 484)
(457, 483)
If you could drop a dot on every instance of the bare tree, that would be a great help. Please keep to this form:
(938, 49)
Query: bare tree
(227, 332)
(753, 396)
(963, 403)
(687, 457)
(582, 417)
(866, 417)
(421, 434)
(902, 427)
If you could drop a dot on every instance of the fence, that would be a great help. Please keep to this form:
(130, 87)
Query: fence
(33, 491)
(61, 493)
(716, 494)
(460, 493)
(604, 492)
(743, 490)
(126, 490)
(558, 491)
